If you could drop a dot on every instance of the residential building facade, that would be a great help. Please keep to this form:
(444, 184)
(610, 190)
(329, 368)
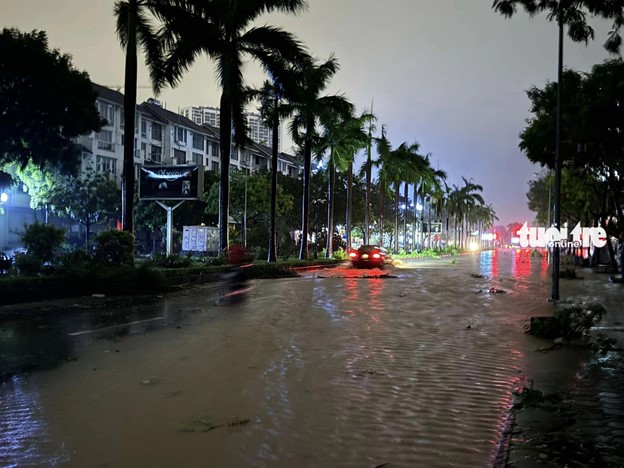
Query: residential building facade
(258, 131)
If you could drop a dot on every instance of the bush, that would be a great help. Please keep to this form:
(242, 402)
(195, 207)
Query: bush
(78, 259)
(42, 241)
(172, 261)
(340, 254)
(114, 248)
(28, 264)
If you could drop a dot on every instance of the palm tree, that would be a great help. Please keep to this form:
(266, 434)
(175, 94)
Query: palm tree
(222, 29)
(309, 108)
(368, 166)
(461, 201)
(430, 182)
(384, 150)
(344, 136)
(133, 26)
(404, 164)
(483, 217)
(571, 13)
(272, 96)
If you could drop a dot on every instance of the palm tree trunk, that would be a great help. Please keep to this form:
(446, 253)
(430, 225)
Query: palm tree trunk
(396, 216)
(405, 194)
(274, 163)
(381, 207)
(367, 201)
(130, 92)
(349, 201)
(331, 181)
(305, 208)
(225, 135)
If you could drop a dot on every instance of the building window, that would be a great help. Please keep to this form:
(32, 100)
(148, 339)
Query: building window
(156, 132)
(233, 167)
(198, 142)
(234, 154)
(198, 158)
(215, 149)
(142, 152)
(143, 129)
(215, 166)
(105, 140)
(107, 112)
(156, 153)
(106, 165)
(180, 135)
(180, 156)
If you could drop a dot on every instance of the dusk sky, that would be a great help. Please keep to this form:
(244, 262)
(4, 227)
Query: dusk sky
(448, 74)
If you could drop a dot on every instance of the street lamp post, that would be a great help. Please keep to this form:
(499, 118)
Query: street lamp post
(557, 207)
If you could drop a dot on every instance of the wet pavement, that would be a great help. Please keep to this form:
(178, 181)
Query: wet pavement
(409, 366)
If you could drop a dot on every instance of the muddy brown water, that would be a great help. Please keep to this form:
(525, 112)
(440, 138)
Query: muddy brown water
(324, 370)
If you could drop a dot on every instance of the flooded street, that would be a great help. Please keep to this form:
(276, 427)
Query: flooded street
(415, 370)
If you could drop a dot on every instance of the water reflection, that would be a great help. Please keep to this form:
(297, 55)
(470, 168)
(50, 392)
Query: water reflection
(23, 432)
(489, 263)
(521, 263)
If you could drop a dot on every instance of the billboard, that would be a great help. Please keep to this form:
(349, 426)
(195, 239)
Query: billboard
(182, 182)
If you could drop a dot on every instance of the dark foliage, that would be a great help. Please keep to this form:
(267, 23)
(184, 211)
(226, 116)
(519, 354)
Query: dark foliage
(44, 102)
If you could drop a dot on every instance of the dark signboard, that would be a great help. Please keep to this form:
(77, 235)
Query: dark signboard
(183, 182)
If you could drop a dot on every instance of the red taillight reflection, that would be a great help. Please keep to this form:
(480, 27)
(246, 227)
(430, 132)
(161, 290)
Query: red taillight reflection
(376, 255)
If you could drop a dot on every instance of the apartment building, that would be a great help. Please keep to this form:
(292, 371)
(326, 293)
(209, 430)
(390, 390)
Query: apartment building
(258, 131)
(165, 137)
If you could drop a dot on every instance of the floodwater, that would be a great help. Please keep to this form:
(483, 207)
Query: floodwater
(415, 370)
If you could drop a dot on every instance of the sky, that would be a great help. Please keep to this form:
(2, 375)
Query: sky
(451, 75)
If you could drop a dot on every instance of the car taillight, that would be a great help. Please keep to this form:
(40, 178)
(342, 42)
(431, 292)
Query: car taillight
(352, 254)
(376, 255)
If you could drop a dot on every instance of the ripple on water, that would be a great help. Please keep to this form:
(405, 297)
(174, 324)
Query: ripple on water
(416, 370)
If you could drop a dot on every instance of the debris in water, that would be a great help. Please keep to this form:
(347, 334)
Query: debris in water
(205, 425)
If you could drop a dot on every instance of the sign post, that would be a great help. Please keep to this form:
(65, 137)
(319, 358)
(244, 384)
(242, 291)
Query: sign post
(159, 183)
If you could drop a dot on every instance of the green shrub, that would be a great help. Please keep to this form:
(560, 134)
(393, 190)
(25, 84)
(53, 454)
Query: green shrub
(172, 261)
(114, 248)
(42, 241)
(77, 259)
(340, 254)
(28, 265)
(260, 252)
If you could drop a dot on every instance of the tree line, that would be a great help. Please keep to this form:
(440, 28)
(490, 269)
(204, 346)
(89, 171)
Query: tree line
(172, 34)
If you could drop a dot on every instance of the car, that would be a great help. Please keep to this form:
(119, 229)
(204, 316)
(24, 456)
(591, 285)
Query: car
(368, 256)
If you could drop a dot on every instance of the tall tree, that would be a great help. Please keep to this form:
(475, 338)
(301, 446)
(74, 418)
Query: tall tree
(90, 199)
(402, 164)
(573, 14)
(223, 30)
(44, 103)
(383, 162)
(368, 174)
(309, 107)
(344, 136)
(272, 96)
(133, 28)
